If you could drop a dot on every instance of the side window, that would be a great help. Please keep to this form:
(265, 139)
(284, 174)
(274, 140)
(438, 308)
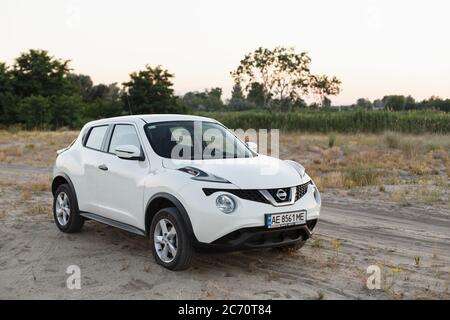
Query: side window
(95, 138)
(124, 134)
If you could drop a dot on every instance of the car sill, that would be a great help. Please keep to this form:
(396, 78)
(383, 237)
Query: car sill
(112, 223)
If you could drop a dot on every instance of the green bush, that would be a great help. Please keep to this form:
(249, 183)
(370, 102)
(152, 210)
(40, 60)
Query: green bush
(64, 111)
(8, 114)
(33, 112)
(99, 109)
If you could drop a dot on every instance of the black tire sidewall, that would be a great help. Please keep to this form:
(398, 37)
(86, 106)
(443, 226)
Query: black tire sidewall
(74, 218)
(184, 245)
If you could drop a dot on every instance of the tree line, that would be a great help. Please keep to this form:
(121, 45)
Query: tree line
(41, 91)
(403, 103)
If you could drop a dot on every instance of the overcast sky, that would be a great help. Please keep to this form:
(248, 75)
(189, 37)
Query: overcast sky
(374, 47)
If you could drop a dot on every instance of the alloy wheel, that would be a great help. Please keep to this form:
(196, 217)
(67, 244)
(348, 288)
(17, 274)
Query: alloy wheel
(165, 240)
(62, 209)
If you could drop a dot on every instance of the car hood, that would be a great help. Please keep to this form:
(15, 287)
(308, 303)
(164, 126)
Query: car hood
(261, 172)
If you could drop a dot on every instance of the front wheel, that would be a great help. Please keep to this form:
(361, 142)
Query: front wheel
(171, 245)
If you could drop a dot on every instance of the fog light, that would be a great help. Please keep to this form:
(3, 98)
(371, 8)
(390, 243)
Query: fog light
(225, 203)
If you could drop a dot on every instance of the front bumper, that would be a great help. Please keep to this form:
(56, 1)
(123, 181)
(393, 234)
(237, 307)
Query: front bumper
(209, 224)
(261, 237)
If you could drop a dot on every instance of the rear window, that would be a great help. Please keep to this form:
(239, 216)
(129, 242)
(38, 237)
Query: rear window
(95, 138)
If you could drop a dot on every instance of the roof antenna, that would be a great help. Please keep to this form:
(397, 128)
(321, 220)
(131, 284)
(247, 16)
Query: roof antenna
(129, 105)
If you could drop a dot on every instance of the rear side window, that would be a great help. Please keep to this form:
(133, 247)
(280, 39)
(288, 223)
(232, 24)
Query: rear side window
(124, 134)
(95, 138)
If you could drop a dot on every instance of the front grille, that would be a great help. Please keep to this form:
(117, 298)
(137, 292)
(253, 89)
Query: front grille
(255, 195)
(273, 193)
(301, 190)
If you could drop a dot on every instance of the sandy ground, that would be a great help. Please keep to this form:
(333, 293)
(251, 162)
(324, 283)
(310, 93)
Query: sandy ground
(410, 245)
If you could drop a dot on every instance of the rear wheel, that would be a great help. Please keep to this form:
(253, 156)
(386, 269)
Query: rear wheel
(171, 245)
(65, 210)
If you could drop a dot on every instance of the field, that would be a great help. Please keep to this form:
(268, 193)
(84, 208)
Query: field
(385, 203)
(350, 121)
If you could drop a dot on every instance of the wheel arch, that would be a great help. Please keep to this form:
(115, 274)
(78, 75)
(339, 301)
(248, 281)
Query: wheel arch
(62, 178)
(164, 200)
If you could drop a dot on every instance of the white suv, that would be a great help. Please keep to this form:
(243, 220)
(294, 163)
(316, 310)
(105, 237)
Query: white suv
(185, 182)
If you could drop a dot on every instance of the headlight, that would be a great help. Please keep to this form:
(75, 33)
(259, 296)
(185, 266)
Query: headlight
(200, 175)
(317, 195)
(297, 166)
(225, 203)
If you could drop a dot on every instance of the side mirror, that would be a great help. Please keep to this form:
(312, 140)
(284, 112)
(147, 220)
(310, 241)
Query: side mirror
(252, 146)
(129, 152)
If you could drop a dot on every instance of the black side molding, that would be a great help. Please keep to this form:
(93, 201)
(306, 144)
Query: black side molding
(112, 223)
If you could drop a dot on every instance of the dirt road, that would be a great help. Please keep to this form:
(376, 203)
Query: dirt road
(411, 246)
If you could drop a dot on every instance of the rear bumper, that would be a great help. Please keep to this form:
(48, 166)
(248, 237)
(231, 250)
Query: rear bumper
(261, 237)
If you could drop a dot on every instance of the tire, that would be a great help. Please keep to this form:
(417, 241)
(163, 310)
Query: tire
(291, 247)
(163, 240)
(73, 222)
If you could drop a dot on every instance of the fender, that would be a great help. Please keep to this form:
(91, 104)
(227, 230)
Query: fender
(179, 206)
(66, 177)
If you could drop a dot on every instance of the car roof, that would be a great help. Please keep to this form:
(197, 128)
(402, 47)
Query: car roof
(151, 118)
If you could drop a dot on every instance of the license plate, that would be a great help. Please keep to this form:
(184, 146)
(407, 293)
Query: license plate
(276, 220)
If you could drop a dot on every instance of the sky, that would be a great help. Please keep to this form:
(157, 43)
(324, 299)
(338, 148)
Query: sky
(374, 47)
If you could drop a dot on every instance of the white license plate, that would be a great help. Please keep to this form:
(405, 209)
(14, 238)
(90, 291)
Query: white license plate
(277, 220)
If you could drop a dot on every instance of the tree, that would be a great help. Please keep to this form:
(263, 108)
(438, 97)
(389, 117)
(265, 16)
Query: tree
(256, 94)
(5, 78)
(237, 92)
(435, 102)
(324, 86)
(99, 109)
(238, 101)
(410, 103)
(64, 111)
(364, 103)
(378, 104)
(150, 91)
(394, 102)
(283, 75)
(101, 91)
(209, 100)
(34, 112)
(7, 98)
(84, 85)
(38, 73)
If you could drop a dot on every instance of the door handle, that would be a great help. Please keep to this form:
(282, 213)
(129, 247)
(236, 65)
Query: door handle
(103, 167)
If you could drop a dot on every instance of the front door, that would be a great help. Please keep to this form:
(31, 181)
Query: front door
(121, 181)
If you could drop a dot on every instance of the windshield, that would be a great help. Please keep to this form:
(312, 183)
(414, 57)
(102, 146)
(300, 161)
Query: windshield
(194, 140)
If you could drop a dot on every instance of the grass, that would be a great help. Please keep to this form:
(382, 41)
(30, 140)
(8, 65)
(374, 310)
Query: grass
(36, 148)
(331, 140)
(392, 140)
(361, 176)
(325, 121)
(391, 164)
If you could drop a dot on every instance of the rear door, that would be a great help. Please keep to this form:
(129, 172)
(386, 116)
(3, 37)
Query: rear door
(93, 144)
